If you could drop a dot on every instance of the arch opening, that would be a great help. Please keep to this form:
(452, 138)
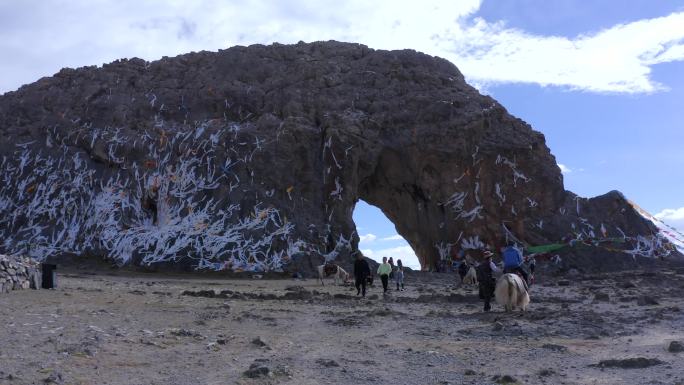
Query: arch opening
(378, 236)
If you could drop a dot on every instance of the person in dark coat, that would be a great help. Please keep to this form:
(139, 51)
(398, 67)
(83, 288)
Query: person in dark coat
(361, 273)
(486, 280)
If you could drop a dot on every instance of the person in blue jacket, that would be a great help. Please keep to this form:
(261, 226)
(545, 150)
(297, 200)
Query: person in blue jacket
(513, 261)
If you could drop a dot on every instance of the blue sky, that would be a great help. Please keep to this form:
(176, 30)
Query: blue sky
(603, 80)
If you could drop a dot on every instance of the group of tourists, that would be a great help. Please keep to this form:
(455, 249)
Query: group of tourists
(387, 271)
(513, 263)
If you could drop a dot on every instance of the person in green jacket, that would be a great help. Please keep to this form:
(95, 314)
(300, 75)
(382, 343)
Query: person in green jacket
(384, 271)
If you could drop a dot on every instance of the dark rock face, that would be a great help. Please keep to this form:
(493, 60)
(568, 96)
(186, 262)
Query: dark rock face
(250, 157)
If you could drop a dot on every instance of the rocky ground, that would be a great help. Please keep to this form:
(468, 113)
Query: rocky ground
(134, 328)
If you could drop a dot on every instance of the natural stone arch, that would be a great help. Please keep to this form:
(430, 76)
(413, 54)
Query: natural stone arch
(256, 154)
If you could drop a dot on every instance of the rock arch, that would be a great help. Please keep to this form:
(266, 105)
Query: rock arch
(256, 155)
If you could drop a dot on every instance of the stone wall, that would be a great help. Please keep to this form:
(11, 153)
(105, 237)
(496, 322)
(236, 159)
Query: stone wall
(19, 273)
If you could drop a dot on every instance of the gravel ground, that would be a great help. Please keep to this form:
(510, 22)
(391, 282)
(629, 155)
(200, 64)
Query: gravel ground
(134, 328)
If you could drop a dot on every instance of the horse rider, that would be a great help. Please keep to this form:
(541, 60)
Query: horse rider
(513, 262)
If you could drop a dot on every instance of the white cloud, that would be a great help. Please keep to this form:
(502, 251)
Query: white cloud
(405, 253)
(367, 238)
(395, 237)
(564, 169)
(616, 59)
(37, 38)
(673, 217)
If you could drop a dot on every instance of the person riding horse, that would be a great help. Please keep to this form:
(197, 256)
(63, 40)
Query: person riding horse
(513, 262)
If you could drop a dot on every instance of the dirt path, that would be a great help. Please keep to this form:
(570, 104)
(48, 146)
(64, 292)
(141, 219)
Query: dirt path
(152, 329)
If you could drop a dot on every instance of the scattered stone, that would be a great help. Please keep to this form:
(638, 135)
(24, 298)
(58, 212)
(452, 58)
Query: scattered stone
(505, 379)
(200, 293)
(54, 378)
(627, 285)
(546, 372)
(186, 333)
(498, 326)
(381, 312)
(646, 300)
(564, 283)
(282, 371)
(296, 288)
(603, 297)
(327, 363)
(469, 372)
(630, 363)
(345, 321)
(259, 342)
(556, 348)
(257, 370)
(675, 347)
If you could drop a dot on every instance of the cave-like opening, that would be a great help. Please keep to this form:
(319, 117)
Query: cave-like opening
(379, 237)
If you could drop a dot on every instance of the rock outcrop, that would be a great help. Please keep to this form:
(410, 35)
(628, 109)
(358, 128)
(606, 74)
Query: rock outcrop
(19, 273)
(247, 158)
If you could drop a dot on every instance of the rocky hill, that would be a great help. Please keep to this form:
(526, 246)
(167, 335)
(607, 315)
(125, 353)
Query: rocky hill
(250, 157)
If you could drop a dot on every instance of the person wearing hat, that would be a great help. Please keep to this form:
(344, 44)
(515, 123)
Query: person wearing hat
(486, 280)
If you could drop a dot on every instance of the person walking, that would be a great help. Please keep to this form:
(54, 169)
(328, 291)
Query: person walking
(384, 271)
(532, 263)
(361, 273)
(486, 280)
(399, 275)
(391, 263)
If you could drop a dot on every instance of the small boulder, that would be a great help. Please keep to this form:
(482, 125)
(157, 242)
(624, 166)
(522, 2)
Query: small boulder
(601, 297)
(327, 363)
(257, 370)
(546, 372)
(259, 342)
(675, 347)
(646, 300)
(505, 379)
(556, 348)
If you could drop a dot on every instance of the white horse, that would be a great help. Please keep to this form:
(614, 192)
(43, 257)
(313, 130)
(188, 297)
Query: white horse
(470, 277)
(511, 292)
(339, 274)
